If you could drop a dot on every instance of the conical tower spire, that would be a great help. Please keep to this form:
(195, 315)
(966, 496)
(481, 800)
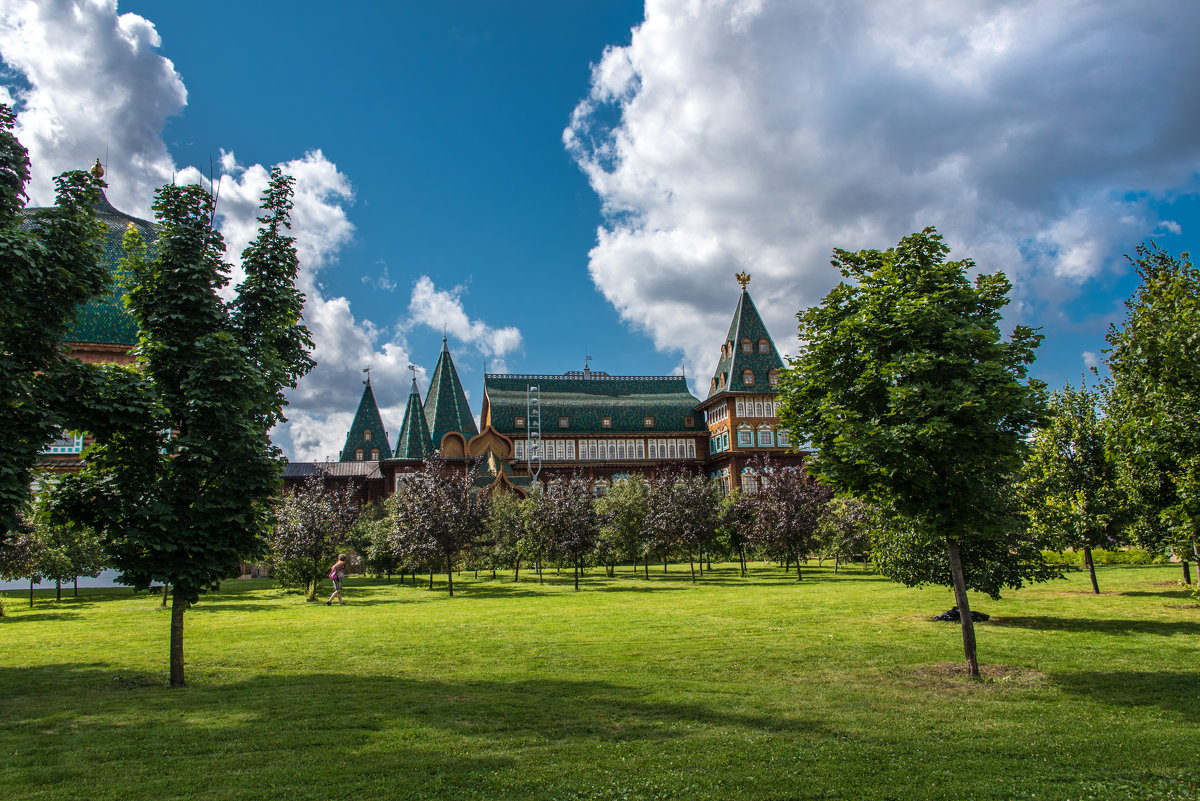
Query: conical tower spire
(749, 361)
(367, 440)
(414, 441)
(446, 406)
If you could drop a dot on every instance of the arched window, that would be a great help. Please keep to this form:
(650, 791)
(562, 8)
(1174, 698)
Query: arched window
(763, 346)
(691, 450)
(747, 346)
(592, 450)
(758, 409)
(653, 451)
(641, 450)
(773, 378)
(358, 454)
(520, 450)
(621, 451)
(741, 408)
(374, 454)
(671, 451)
(367, 435)
(748, 377)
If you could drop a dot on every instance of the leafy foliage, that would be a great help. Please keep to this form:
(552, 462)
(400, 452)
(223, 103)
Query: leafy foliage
(48, 269)
(682, 514)
(1154, 398)
(788, 505)
(435, 516)
(622, 511)
(914, 403)
(313, 524)
(1068, 487)
(181, 476)
(845, 529)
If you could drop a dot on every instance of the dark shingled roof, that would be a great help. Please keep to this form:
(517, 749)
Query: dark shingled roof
(366, 419)
(105, 320)
(585, 399)
(446, 406)
(747, 324)
(364, 470)
(414, 441)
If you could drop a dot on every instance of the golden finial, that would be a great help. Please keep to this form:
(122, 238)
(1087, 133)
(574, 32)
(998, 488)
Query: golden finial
(743, 278)
(97, 170)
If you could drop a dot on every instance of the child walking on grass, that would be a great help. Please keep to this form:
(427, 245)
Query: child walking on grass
(337, 573)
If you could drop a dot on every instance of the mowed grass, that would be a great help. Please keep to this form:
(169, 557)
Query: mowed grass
(760, 688)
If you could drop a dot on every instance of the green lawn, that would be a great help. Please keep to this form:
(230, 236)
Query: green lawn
(758, 688)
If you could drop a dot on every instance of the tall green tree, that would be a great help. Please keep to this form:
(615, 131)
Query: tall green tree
(67, 549)
(568, 519)
(788, 505)
(183, 472)
(911, 399)
(49, 265)
(1154, 397)
(1068, 486)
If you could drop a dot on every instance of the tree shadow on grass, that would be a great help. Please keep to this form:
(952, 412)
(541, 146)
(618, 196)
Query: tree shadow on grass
(1176, 593)
(1099, 626)
(1172, 691)
(444, 738)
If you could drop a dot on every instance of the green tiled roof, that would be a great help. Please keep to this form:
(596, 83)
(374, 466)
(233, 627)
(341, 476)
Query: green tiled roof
(746, 324)
(446, 406)
(366, 419)
(414, 441)
(104, 319)
(586, 399)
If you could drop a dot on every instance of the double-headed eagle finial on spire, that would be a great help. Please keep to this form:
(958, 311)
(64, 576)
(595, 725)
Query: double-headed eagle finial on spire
(743, 278)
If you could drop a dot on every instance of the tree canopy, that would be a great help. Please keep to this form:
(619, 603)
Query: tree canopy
(49, 265)
(182, 472)
(1154, 397)
(911, 399)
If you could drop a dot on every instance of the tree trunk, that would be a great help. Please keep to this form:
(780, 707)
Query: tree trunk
(799, 577)
(964, 608)
(178, 604)
(577, 574)
(539, 571)
(836, 561)
(742, 558)
(450, 574)
(1091, 566)
(664, 563)
(517, 572)
(692, 564)
(77, 586)
(431, 578)
(647, 567)
(58, 589)
(700, 559)
(1187, 573)
(31, 593)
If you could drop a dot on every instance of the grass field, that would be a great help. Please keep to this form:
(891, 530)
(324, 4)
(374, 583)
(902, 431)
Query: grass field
(757, 688)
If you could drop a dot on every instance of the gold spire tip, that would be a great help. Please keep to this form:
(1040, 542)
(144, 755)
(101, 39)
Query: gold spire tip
(743, 278)
(97, 170)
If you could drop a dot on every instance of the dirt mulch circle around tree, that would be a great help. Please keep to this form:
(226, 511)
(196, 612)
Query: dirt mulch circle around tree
(957, 674)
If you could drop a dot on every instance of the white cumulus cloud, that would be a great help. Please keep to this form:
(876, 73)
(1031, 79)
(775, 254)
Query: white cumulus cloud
(761, 134)
(438, 308)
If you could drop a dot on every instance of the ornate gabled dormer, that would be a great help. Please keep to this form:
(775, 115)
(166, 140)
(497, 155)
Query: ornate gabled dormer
(367, 440)
(446, 408)
(414, 441)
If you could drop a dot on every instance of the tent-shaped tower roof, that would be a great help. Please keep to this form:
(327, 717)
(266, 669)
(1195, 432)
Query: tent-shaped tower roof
(367, 433)
(446, 406)
(747, 346)
(414, 441)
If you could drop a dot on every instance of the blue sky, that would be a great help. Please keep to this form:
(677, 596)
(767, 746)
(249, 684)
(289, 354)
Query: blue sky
(551, 180)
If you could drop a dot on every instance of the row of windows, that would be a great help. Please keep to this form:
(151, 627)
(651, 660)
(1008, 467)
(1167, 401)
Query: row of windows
(612, 449)
(764, 346)
(748, 379)
(605, 422)
(757, 408)
(358, 453)
(746, 438)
